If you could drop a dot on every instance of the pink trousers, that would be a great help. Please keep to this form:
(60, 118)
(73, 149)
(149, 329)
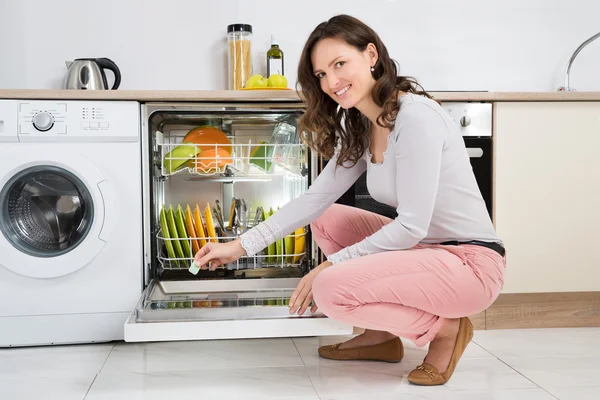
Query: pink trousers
(408, 293)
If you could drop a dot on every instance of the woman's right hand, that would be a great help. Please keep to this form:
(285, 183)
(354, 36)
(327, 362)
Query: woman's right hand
(218, 254)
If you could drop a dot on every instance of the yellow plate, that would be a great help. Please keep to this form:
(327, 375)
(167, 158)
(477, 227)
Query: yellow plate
(199, 225)
(189, 223)
(173, 232)
(180, 224)
(210, 226)
(232, 214)
(165, 233)
(299, 241)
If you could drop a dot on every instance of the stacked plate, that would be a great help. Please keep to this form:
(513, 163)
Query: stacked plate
(185, 232)
(288, 250)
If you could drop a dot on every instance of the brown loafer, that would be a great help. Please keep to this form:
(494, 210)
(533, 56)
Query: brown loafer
(427, 375)
(391, 351)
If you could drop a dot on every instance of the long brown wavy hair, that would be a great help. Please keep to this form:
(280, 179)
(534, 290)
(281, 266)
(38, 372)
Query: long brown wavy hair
(323, 116)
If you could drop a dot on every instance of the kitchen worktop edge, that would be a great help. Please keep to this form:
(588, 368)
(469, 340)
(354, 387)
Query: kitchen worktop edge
(268, 95)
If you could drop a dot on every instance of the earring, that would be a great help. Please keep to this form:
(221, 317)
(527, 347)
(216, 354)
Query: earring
(372, 69)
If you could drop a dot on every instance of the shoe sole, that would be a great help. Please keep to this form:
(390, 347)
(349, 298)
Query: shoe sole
(361, 359)
(337, 351)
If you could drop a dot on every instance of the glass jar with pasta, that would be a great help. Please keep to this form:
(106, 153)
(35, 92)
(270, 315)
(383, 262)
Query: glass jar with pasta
(239, 37)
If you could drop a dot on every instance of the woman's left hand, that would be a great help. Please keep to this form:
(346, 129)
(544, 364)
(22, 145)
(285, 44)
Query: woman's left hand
(302, 296)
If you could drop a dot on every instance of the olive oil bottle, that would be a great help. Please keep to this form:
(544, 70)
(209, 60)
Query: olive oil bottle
(274, 59)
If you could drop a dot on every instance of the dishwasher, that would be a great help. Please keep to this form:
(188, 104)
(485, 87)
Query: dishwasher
(212, 171)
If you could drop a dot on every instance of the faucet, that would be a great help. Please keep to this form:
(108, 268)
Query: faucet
(567, 88)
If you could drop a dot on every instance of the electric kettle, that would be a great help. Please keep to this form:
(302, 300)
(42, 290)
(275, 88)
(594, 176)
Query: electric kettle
(88, 74)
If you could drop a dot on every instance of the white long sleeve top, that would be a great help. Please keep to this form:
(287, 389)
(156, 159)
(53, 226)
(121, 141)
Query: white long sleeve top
(425, 174)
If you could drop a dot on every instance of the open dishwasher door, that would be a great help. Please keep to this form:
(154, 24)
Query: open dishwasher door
(196, 310)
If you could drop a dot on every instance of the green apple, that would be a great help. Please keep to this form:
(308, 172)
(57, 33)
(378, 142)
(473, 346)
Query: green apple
(256, 81)
(278, 81)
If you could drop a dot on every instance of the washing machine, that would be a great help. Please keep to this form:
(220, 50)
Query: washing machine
(70, 220)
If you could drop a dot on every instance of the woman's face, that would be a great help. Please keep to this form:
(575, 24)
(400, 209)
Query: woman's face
(343, 71)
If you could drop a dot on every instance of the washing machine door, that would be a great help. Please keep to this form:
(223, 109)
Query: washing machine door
(53, 214)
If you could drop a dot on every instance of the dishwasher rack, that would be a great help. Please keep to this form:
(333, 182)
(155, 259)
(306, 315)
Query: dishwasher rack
(262, 260)
(245, 160)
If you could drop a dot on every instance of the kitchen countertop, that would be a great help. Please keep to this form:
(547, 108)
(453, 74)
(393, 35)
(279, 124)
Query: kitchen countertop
(268, 95)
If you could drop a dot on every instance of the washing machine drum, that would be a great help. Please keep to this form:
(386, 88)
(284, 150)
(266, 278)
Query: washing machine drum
(46, 211)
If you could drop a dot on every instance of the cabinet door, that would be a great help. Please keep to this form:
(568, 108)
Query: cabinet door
(547, 195)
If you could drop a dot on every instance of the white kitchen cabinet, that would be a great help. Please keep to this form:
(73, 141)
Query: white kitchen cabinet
(547, 194)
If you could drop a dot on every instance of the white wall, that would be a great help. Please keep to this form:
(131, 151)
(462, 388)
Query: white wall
(502, 45)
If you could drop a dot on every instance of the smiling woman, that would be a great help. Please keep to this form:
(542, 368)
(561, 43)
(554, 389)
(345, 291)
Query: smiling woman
(343, 63)
(417, 276)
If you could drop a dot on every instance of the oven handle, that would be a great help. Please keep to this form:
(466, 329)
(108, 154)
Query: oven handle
(475, 152)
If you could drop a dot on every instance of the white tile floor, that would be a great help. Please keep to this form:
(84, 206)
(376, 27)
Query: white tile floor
(500, 365)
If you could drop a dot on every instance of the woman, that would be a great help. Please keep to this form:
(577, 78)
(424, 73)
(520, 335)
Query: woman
(417, 276)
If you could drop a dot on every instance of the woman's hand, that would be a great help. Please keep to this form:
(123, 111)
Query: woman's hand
(218, 254)
(302, 296)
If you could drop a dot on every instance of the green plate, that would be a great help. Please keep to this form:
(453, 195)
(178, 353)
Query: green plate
(280, 249)
(179, 156)
(289, 248)
(181, 231)
(174, 234)
(165, 233)
(262, 155)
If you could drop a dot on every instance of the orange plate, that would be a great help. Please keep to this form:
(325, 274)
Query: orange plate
(189, 222)
(199, 225)
(208, 138)
(210, 226)
(209, 161)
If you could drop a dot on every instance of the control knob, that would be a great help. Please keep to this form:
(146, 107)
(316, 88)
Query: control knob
(43, 121)
(465, 121)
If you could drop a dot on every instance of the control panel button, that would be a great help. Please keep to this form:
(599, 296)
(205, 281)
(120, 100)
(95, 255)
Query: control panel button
(104, 125)
(43, 121)
(94, 125)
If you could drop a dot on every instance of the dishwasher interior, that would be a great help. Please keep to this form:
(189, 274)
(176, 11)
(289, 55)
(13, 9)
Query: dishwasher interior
(216, 171)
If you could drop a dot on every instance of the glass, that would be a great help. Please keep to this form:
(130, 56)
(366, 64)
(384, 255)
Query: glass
(285, 134)
(46, 211)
